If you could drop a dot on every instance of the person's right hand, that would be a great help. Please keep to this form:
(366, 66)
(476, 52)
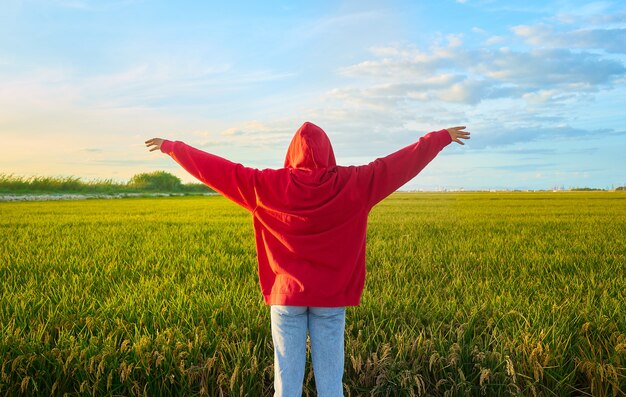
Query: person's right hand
(154, 144)
(457, 133)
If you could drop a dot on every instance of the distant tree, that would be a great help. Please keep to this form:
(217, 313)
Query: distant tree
(585, 189)
(157, 180)
(196, 188)
(621, 188)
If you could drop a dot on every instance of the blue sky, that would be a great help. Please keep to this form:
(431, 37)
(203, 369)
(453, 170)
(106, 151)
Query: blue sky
(541, 85)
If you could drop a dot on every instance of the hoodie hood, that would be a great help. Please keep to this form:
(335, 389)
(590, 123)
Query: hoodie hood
(310, 148)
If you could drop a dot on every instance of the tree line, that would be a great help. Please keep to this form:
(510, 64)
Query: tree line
(157, 181)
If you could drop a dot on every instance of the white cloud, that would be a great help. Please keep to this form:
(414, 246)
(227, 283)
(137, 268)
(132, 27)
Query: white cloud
(139, 85)
(232, 132)
(43, 88)
(610, 40)
(609, 20)
(538, 69)
(585, 12)
(266, 134)
(495, 40)
(471, 76)
(532, 92)
(542, 96)
(454, 40)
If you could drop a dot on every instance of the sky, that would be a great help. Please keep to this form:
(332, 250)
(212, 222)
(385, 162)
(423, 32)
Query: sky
(541, 85)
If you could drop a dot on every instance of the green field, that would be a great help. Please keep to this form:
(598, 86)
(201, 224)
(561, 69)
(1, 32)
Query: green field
(466, 294)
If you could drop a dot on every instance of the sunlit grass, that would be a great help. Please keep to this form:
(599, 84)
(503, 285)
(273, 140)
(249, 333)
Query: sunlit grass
(468, 293)
(145, 182)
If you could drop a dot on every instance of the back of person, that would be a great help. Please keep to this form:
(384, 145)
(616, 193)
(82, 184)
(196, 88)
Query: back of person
(311, 216)
(310, 221)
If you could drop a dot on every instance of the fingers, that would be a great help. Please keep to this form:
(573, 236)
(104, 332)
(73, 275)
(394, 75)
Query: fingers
(458, 138)
(153, 141)
(461, 135)
(457, 133)
(154, 144)
(455, 129)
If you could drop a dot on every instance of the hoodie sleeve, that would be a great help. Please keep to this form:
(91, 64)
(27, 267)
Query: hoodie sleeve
(232, 180)
(385, 175)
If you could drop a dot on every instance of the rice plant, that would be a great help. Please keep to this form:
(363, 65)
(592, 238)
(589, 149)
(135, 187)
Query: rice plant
(466, 294)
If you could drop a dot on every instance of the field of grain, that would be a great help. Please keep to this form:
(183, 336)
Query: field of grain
(466, 294)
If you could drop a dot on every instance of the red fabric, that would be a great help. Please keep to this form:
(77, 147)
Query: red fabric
(310, 217)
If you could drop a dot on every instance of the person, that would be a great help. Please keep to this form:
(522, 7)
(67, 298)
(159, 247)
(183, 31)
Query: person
(310, 220)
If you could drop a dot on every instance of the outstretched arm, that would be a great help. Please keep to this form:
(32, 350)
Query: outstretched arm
(233, 180)
(385, 175)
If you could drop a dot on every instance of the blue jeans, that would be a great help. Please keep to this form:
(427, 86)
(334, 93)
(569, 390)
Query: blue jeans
(326, 331)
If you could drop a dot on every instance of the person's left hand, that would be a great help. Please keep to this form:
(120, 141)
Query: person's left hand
(457, 133)
(154, 144)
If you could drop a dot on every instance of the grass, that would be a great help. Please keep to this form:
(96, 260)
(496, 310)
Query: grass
(20, 185)
(466, 294)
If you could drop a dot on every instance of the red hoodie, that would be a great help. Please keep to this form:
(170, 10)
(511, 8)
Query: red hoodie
(310, 217)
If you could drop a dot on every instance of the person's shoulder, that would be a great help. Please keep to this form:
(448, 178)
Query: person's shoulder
(348, 169)
(273, 172)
